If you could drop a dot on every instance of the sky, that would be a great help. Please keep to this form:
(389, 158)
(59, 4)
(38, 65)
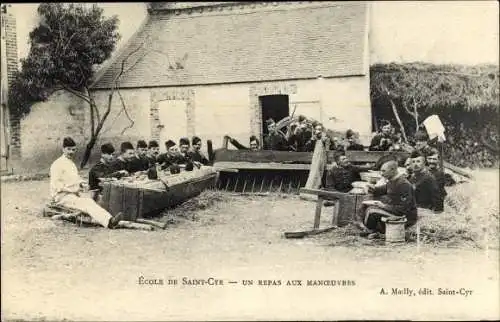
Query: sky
(441, 32)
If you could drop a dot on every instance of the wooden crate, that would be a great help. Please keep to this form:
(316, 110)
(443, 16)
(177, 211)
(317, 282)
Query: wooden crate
(136, 200)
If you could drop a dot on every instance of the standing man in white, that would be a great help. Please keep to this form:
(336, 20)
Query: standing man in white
(66, 188)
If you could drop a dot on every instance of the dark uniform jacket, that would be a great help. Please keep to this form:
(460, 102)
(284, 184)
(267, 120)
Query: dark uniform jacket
(427, 192)
(101, 170)
(120, 164)
(376, 145)
(299, 139)
(198, 157)
(341, 178)
(139, 164)
(152, 160)
(428, 150)
(441, 181)
(311, 144)
(183, 158)
(399, 195)
(275, 142)
(167, 159)
(355, 147)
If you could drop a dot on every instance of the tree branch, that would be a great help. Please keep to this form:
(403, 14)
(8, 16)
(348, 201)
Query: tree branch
(93, 104)
(76, 93)
(105, 115)
(396, 114)
(416, 114)
(68, 42)
(126, 113)
(92, 120)
(122, 69)
(406, 108)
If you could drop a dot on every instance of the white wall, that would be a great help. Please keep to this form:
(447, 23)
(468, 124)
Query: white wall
(340, 103)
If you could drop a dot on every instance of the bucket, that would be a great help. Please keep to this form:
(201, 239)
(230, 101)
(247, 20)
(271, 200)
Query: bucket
(395, 231)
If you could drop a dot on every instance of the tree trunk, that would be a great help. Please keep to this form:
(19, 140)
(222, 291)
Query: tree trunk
(396, 114)
(88, 150)
(95, 130)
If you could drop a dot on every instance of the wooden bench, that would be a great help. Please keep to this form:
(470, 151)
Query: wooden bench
(347, 208)
(56, 211)
(52, 209)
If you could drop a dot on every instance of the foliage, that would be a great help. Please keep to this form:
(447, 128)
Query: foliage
(416, 88)
(66, 46)
(437, 85)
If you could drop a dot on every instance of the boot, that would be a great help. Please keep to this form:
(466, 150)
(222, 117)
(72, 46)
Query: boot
(113, 221)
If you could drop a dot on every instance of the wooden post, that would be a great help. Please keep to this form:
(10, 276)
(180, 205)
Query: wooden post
(210, 152)
(317, 166)
(335, 217)
(441, 161)
(317, 216)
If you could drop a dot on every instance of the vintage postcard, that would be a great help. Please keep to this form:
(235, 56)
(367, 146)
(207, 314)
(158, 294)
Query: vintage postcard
(250, 160)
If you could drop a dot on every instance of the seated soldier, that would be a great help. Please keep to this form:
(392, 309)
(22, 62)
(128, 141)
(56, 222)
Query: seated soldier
(427, 193)
(393, 200)
(397, 144)
(319, 134)
(66, 188)
(341, 176)
(196, 154)
(184, 157)
(384, 140)
(300, 134)
(254, 143)
(442, 179)
(153, 152)
(125, 159)
(140, 162)
(422, 145)
(352, 144)
(104, 169)
(274, 139)
(408, 167)
(170, 157)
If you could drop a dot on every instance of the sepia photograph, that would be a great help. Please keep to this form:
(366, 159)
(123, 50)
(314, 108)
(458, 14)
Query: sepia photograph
(250, 161)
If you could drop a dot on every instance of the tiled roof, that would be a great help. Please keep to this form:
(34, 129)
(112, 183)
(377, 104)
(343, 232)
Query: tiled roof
(273, 43)
(173, 5)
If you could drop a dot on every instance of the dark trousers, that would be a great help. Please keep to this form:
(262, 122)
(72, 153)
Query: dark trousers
(374, 222)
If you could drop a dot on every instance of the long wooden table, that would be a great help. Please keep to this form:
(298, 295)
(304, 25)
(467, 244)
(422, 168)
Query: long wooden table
(145, 197)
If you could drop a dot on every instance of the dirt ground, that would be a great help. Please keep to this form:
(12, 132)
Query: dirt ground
(52, 270)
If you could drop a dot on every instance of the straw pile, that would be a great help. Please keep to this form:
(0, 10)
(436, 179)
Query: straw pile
(208, 199)
(471, 216)
(470, 219)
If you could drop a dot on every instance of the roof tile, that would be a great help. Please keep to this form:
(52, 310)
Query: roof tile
(276, 44)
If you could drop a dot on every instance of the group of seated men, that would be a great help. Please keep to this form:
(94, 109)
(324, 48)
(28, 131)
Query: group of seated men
(423, 186)
(145, 158)
(301, 136)
(399, 194)
(67, 187)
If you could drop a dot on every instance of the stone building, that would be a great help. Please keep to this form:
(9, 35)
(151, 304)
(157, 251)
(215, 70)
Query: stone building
(215, 68)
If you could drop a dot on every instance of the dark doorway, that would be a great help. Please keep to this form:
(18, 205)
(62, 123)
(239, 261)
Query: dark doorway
(275, 107)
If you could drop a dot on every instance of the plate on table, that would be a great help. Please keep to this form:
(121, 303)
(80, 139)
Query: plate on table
(360, 184)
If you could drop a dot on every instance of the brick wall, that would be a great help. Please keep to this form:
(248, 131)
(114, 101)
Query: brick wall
(10, 34)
